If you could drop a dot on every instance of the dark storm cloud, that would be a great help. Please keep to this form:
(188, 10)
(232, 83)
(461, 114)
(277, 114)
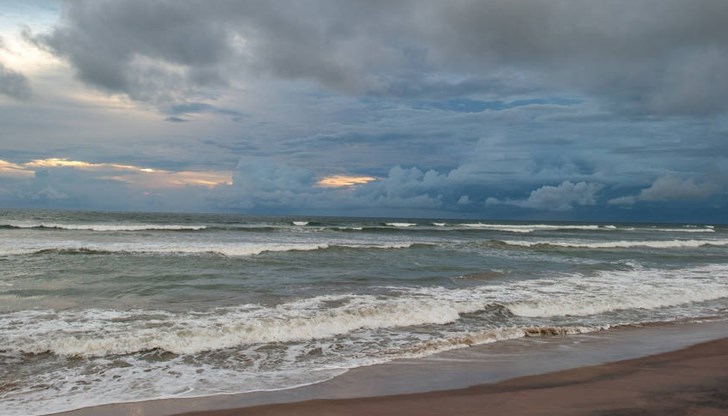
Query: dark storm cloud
(495, 108)
(644, 56)
(14, 84)
(656, 56)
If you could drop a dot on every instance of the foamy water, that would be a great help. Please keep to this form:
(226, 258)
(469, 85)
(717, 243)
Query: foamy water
(98, 308)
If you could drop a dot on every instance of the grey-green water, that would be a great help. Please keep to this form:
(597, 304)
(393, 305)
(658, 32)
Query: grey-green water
(102, 307)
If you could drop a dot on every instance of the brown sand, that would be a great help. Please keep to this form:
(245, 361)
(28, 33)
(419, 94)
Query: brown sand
(693, 381)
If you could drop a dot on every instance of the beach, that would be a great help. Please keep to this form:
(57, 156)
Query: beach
(691, 381)
(679, 368)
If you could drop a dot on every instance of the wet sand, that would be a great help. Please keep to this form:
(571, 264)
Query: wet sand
(562, 375)
(692, 381)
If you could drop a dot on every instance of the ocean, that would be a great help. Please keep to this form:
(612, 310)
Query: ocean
(114, 307)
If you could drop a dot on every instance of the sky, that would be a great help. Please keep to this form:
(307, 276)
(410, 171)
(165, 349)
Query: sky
(494, 109)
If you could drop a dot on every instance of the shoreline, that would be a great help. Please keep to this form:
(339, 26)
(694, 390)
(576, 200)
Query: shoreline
(693, 379)
(449, 373)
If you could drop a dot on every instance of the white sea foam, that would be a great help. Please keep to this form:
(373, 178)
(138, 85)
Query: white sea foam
(138, 379)
(618, 244)
(489, 336)
(96, 333)
(141, 379)
(684, 230)
(344, 329)
(606, 291)
(300, 223)
(187, 248)
(107, 227)
(400, 224)
(530, 228)
(91, 333)
(574, 295)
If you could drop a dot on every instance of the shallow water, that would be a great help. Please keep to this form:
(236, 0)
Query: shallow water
(103, 307)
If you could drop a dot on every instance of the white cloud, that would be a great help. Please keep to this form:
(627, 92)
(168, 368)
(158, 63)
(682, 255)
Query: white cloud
(563, 197)
(670, 188)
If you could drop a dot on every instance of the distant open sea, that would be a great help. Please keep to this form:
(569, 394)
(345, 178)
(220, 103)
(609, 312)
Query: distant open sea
(111, 307)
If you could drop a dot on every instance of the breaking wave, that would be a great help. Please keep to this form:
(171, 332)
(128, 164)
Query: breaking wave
(493, 335)
(535, 227)
(105, 227)
(609, 291)
(400, 224)
(95, 333)
(611, 244)
(230, 250)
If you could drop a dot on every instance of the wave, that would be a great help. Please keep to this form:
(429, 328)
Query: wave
(313, 226)
(610, 291)
(119, 333)
(104, 227)
(491, 336)
(611, 244)
(229, 250)
(95, 333)
(530, 228)
(72, 251)
(684, 230)
(580, 305)
(598, 293)
(400, 224)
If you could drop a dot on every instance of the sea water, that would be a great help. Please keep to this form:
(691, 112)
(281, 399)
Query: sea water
(110, 307)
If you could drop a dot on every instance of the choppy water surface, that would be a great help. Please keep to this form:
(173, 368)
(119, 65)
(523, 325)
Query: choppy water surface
(99, 307)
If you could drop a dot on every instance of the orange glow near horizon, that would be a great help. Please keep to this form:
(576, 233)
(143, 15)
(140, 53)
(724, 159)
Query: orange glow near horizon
(14, 170)
(63, 163)
(136, 176)
(341, 181)
(59, 163)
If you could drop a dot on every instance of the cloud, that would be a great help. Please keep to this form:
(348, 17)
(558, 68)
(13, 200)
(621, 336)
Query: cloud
(623, 200)
(14, 170)
(671, 188)
(264, 184)
(188, 109)
(668, 188)
(340, 181)
(14, 84)
(563, 197)
(48, 176)
(648, 56)
(173, 119)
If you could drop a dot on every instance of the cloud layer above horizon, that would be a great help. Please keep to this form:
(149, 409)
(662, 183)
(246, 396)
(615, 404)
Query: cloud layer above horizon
(494, 109)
